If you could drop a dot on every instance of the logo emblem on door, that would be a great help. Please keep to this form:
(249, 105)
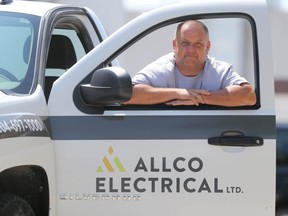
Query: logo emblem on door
(111, 162)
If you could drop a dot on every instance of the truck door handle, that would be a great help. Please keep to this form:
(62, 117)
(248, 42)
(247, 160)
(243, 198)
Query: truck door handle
(235, 138)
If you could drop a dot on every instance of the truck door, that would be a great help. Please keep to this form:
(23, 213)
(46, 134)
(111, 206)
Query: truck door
(162, 160)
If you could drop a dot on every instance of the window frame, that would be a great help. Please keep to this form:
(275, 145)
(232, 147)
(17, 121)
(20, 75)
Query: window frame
(89, 109)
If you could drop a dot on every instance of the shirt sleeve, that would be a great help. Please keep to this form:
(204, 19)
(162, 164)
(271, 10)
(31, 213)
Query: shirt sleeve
(219, 75)
(141, 78)
(231, 77)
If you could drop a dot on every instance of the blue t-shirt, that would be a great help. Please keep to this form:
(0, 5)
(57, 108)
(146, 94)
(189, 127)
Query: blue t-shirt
(164, 73)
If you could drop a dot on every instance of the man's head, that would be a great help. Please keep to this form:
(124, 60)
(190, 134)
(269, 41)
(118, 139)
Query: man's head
(191, 46)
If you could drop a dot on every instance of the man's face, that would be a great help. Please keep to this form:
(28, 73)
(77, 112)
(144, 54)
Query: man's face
(191, 47)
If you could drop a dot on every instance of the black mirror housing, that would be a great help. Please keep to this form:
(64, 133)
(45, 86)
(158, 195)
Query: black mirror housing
(108, 86)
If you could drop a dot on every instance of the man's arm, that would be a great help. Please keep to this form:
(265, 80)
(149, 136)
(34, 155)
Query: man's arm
(235, 95)
(231, 96)
(144, 94)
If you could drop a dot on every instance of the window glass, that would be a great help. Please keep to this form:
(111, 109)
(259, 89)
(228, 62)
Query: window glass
(72, 35)
(16, 41)
(77, 46)
(68, 45)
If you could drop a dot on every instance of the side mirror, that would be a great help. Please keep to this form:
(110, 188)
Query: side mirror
(108, 86)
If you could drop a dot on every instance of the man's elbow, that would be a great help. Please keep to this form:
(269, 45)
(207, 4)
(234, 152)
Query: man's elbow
(250, 98)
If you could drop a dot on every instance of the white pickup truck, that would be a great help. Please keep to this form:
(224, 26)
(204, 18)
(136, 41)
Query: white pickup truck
(68, 145)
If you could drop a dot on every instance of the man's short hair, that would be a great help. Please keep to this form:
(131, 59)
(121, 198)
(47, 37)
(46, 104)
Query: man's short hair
(205, 28)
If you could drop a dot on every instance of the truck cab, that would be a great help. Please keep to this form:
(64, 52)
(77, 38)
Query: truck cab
(70, 145)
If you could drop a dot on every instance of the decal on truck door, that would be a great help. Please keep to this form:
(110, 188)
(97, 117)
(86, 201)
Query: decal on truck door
(22, 125)
(151, 175)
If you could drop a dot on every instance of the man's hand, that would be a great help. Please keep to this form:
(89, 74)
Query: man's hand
(144, 94)
(189, 97)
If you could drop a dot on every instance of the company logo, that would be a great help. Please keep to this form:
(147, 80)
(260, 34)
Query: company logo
(149, 175)
(165, 174)
(111, 166)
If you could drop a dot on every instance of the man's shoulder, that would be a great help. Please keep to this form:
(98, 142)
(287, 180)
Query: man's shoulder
(213, 63)
(164, 63)
(157, 73)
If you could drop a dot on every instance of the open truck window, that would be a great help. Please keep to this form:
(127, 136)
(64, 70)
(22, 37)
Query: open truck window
(233, 40)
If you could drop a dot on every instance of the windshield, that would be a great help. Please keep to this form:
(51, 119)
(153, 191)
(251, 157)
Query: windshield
(17, 52)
